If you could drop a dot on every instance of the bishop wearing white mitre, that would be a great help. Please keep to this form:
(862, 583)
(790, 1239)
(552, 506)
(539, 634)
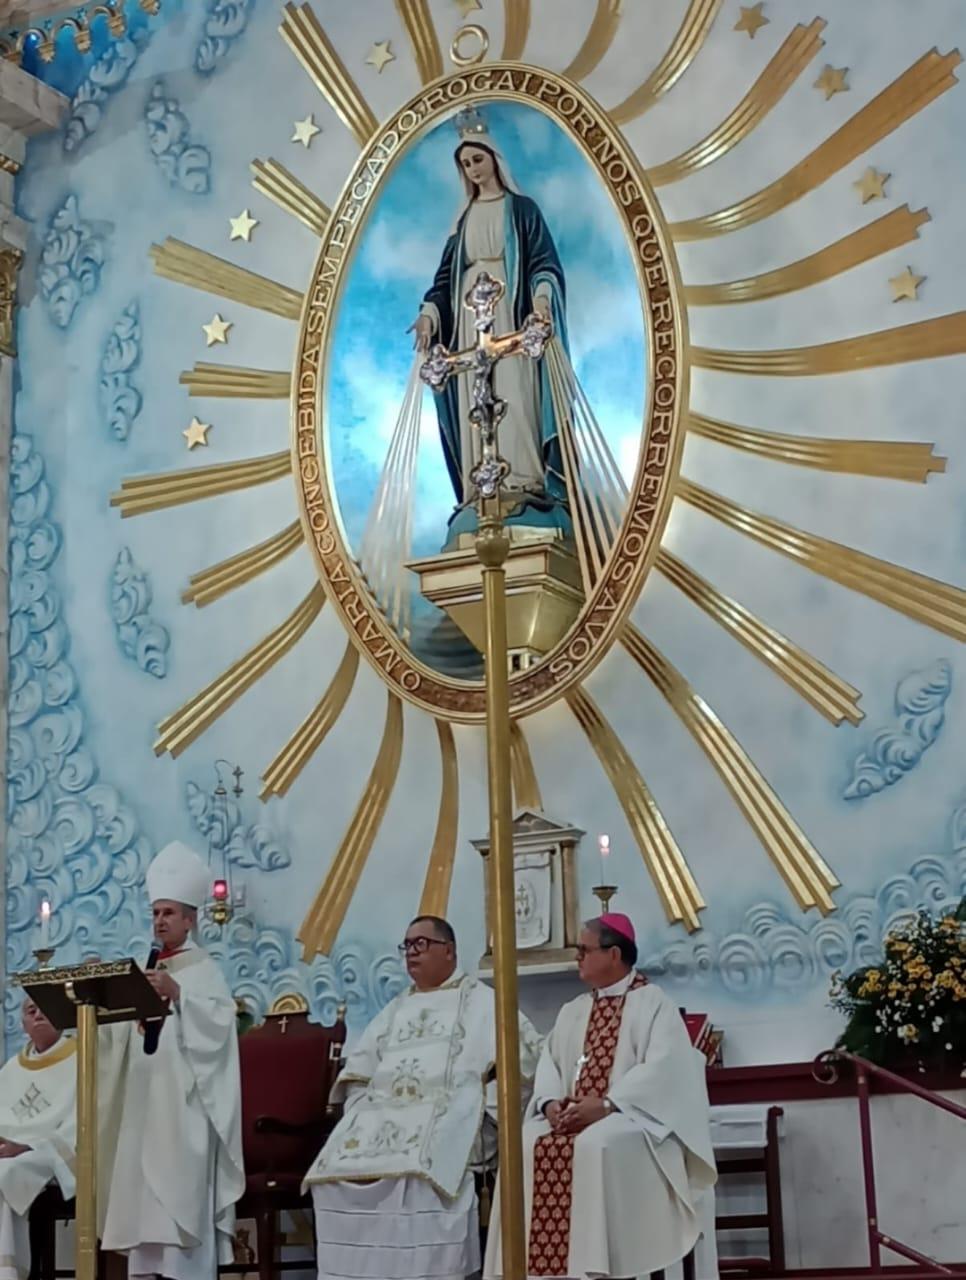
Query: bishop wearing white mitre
(618, 1162)
(393, 1187)
(178, 1165)
(37, 1132)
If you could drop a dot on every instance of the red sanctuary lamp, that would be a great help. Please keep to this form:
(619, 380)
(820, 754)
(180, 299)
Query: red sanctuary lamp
(220, 907)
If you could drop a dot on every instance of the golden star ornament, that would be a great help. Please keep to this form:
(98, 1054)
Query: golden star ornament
(217, 330)
(305, 130)
(197, 433)
(832, 81)
(871, 186)
(380, 55)
(905, 286)
(242, 226)
(752, 19)
(466, 7)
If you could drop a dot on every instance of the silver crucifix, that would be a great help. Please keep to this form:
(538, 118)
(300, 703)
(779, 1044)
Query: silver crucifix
(487, 409)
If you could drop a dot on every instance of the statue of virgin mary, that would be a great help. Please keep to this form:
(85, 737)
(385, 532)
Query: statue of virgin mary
(502, 231)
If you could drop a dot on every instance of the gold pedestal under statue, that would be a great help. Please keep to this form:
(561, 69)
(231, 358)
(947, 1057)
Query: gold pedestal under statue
(543, 589)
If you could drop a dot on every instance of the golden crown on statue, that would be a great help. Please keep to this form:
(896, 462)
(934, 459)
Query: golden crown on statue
(470, 123)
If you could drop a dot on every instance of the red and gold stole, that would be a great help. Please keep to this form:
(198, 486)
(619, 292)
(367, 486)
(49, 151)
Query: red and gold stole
(553, 1154)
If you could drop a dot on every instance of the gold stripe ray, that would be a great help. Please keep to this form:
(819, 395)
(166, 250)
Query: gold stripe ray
(797, 861)
(598, 40)
(184, 264)
(768, 90)
(273, 180)
(935, 604)
(895, 229)
(679, 55)
(303, 33)
(828, 693)
(898, 102)
(231, 381)
(439, 872)
(418, 22)
(309, 736)
(676, 887)
(925, 340)
(139, 494)
(212, 583)
(516, 28)
(894, 459)
(324, 919)
(199, 713)
(526, 788)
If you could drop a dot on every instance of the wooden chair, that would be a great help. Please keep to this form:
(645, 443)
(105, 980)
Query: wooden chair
(288, 1067)
(49, 1209)
(764, 1161)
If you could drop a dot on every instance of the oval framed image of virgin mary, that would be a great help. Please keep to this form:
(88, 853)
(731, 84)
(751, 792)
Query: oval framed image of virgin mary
(517, 173)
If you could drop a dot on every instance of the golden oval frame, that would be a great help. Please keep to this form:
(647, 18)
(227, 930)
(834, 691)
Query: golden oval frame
(665, 409)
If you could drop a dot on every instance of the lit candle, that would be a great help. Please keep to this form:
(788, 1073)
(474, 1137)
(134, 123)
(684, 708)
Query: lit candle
(603, 847)
(45, 923)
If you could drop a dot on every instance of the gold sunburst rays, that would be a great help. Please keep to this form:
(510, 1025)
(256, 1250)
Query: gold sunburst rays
(212, 583)
(935, 604)
(782, 71)
(303, 33)
(321, 925)
(597, 41)
(232, 381)
(925, 340)
(670, 874)
(187, 265)
(179, 730)
(906, 460)
(919, 85)
(516, 28)
(807, 875)
(828, 693)
(680, 53)
(141, 494)
(273, 180)
(418, 22)
(311, 733)
(526, 788)
(896, 228)
(434, 900)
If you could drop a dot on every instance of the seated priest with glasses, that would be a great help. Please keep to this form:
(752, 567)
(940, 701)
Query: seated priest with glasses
(617, 1147)
(393, 1187)
(37, 1132)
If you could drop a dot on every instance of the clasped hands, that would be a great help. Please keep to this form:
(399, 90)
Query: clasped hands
(574, 1115)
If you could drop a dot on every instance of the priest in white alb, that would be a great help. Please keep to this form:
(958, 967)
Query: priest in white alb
(178, 1165)
(618, 1163)
(393, 1187)
(37, 1132)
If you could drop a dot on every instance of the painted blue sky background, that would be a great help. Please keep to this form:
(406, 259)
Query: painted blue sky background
(396, 258)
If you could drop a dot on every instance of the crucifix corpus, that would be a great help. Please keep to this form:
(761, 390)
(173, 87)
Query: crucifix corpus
(492, 547)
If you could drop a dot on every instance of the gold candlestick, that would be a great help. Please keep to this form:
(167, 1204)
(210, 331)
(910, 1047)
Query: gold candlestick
(604, 892)
(44, 955)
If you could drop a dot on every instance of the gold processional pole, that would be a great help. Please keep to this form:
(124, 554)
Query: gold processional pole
(492, 546)
(85, 1225)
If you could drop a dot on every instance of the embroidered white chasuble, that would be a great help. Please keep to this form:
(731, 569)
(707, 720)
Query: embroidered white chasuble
(639, 1179)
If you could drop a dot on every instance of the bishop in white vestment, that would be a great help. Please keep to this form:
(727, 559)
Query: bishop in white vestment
(178, 1166)
(618, 1163)
(393, 1187)
(37, 1132)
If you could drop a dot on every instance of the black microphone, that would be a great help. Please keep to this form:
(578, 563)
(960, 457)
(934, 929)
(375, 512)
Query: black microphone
(152, 1030)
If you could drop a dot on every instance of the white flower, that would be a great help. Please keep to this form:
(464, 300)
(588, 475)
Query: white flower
(936, 1023)
(949, 1046)
(908, 1032)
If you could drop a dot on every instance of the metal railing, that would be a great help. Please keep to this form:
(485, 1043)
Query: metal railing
(825, 1071)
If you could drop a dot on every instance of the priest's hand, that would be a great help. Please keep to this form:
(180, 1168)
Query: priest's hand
(164, 985)
(9, 1149)
(580, 1115)
(552, 1113)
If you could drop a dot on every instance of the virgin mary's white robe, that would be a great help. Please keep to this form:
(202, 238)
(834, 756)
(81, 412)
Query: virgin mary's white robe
(640, 1174)
(37, 1110)
(178, 1166)
(393, 1186)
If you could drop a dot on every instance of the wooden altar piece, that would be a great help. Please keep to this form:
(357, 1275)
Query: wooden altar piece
(86, 996)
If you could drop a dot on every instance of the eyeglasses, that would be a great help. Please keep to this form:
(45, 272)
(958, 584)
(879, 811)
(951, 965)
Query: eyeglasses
(584, 951)
(419, 946)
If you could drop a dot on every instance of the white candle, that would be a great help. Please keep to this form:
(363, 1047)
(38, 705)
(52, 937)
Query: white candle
(45, 923)
(603, 847)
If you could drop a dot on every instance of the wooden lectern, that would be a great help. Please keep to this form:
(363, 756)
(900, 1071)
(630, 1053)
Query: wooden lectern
(86, 996)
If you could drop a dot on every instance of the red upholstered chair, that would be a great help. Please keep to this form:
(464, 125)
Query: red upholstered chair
(288, 1067)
